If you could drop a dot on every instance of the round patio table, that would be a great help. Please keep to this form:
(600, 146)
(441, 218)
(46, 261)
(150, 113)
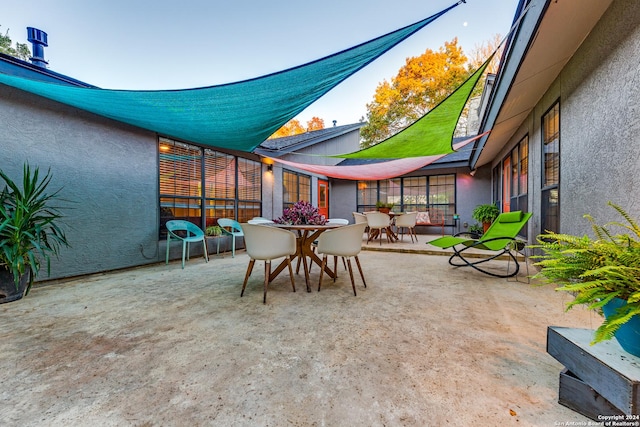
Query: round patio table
(306, 235)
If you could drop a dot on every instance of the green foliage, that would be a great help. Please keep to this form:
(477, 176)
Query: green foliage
(29, 233)
(21, 50)
(293, 127)
(476, 229)
(485, 213)
(381, 204)
(596, 270)
(213, 230)
(422, 83)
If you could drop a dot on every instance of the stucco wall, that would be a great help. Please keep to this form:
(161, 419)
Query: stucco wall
(471, 191)
(107, 170)
(342, 197)
(600, 122)
(598, 92)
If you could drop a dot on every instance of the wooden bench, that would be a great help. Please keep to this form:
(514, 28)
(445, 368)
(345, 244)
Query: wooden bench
(431, 217)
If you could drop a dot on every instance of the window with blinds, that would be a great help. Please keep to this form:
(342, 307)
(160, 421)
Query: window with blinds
(551, 169)
(296, 187)
(202, 185)
(416, 193)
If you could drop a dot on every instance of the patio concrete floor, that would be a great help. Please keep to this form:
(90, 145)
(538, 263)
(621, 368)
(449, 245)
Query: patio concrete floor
(424, 344)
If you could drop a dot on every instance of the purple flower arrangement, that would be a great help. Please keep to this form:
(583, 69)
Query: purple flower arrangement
(301, 213)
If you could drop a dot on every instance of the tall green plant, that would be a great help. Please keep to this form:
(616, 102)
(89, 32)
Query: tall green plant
(29, 230)
(596, 270)
(485, 213)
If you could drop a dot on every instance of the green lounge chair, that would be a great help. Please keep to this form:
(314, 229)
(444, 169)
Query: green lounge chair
(499, 239)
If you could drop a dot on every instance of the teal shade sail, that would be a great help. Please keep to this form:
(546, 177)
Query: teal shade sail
(432, 133)
(236, 116)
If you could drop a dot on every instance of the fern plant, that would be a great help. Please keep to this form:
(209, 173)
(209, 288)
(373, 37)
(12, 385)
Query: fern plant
(596, 270)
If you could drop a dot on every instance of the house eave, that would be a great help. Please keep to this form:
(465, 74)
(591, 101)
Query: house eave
(542, 44)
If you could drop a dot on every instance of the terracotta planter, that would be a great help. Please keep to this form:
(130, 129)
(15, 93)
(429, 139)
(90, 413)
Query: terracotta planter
(8, 291)
(485, 226)
(384, 210)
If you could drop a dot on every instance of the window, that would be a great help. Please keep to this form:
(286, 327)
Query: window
(390, 191)
(441, 193)
(202, 185)
(415, 193)
(510, 180)
(249, 189)
(296, 187)
(551, 169)
(367, 195)
(519, 176)
(496, 181)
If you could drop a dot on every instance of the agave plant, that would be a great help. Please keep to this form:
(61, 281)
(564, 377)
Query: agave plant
(29, 229)
(596, 270)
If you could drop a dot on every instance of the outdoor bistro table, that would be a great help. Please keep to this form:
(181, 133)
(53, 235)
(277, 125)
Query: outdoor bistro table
(306, 235)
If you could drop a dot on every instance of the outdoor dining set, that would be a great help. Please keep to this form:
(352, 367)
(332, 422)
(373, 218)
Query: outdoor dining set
(305, 244)
(305, 236)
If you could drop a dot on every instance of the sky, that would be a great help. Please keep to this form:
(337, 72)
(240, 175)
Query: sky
(162, 44)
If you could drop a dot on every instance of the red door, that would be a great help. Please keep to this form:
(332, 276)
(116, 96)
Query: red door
(506, 185)
(323, 197)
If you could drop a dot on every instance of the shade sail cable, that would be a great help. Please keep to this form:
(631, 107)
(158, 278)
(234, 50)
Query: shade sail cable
(236, 116)
(374, 171)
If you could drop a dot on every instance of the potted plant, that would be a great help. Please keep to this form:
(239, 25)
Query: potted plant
(300, 213)
(384, 207)
(213, 231)
(485, 214)
(29, 232)
(213, 234)
(476, 230)
(603, 273)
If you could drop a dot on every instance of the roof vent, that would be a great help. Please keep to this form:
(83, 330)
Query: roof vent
(38, 39)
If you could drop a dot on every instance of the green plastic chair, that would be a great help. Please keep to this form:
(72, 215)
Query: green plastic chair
(188, 233)
(232, 228)
(499, 239)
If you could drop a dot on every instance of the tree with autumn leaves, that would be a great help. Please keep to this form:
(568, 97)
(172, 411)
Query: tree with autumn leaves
(293, 127)
(421, 84)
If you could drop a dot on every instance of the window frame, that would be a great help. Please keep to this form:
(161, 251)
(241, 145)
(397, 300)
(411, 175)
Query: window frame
(287, 194)
(204, 199)
(550, 189)
(389, 191)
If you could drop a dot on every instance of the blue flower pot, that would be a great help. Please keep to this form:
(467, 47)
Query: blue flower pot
(628, 335)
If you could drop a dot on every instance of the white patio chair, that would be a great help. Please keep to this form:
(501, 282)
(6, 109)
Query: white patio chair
(267, 243)
(260, 220)
(408, 221)
(345, 242)
(381, 222)
(361, 218)
(337, 221)
(332, 221)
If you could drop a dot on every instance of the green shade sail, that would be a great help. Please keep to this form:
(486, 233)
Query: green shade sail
(236, 116)
(429, 135)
